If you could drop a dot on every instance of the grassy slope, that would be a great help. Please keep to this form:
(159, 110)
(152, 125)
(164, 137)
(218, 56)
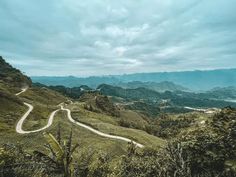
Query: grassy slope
(11, 108)
(4, 87)
(44, 101)
(89, 142)
(109, 125)
(133, 118)
(9, 115)
(43, 96)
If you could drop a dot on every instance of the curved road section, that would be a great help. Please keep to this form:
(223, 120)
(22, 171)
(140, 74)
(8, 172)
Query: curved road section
(98, 132)
(50, 121)
(21, 121)
(30, 109)
(22, 91)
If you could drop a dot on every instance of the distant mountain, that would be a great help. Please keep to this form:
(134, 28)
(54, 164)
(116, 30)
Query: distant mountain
(132, 94)
(74, 92)
(222, 93)
(12, 76)
(194, 80)
(159, 87)
(173, 99)
(72, 81)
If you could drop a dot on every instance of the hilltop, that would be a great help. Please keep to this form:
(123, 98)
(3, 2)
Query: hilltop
(12, 76)
(12, 107)
(159, 87)
(174, 99)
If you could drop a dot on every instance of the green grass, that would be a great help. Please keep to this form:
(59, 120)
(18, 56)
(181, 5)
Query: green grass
(44, 102)
(108, 125)
(197, 118)
(38, 118)
(78, 108)
(10, 110)
(4, 87)
(134, 119)
(88, 141)
(42, 96)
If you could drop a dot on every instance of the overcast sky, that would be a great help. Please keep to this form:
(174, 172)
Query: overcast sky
(100, 37)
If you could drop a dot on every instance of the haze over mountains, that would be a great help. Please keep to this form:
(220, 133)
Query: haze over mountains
(154, 115)
(193, 80)
(128, 88)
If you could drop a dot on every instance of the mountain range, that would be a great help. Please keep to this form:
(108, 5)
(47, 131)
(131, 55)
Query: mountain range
(194, 80)
(103, 119)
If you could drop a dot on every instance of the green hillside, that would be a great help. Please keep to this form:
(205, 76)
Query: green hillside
(92, 108)
(159, 87)
(171, 139)
(12, 76)
(176, 100)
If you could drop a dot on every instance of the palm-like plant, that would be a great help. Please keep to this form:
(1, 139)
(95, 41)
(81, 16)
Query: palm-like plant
(60, 157)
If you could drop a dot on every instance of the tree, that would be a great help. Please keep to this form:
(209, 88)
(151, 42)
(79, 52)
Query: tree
(60, 157)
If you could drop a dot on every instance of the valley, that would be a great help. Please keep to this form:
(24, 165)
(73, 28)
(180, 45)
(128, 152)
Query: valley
(113, 123)
(50, 121)
(105, 88)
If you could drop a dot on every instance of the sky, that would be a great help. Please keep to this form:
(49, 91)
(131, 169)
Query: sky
(105, 37)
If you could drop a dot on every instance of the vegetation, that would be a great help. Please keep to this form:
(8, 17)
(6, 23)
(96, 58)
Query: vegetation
(14, 161)
(186, 144)
(168, 162)
(211, 148)
(74, 92)
(221, 93)
(129, 94)
(60, 158)
(12, 76)
(96, 102)
(169, 127)
(194, 80)
(108, 124)
(203, 151)
(159, 87)
(43, 96)
(146, 108)
(8, 115)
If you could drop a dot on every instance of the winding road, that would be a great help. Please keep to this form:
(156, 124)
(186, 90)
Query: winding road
(207, 111)
(98, 132)
(50, 121)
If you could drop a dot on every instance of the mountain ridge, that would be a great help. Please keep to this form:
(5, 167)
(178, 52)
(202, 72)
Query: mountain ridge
(13, 76)
(194, 80)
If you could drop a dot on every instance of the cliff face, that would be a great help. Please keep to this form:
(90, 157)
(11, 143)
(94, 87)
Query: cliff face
(12, 76)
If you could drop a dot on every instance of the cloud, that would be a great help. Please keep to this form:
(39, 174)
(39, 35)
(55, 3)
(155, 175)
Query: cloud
(102, 44)
(120, 51)
(112, 37)
(128, 33)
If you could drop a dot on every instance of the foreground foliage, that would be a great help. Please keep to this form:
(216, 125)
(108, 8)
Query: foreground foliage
(206, 151)
(14, 161)
(59, 160)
